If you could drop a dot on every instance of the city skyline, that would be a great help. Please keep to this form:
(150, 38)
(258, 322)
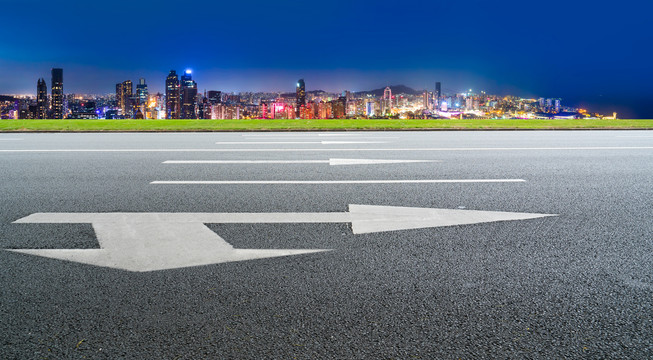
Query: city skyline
(181, 100)
(594, 59)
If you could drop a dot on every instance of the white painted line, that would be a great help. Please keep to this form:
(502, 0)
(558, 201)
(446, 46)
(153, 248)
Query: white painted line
(297, 142)
(329, 182)
(10, 139)
(332, 162)
(635, 136)
(331, 149)
(298, 135)
(308, 136)
(246, 162)
(336, 162)
(160, 241)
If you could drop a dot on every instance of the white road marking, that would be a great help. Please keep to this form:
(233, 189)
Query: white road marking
(309, 136)
(332, 162)
(298, 135)
(150, 242)
(328, 149)
(296, 142)
(316, 182)
(159, 241)
(10, 139)
(635, 136)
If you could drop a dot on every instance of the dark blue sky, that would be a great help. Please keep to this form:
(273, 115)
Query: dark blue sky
(588, 53)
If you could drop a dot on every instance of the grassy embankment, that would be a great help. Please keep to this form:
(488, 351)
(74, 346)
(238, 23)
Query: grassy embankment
(329, 124)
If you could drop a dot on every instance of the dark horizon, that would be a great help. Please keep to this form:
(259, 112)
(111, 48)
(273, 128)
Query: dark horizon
(597, 57)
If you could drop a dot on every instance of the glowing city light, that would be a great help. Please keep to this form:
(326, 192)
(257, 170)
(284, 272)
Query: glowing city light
(188, 71)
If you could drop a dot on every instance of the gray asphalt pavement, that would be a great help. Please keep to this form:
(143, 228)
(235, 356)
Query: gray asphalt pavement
(576, 285)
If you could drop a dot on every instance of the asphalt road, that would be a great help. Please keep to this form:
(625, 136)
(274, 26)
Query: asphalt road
(576, 285)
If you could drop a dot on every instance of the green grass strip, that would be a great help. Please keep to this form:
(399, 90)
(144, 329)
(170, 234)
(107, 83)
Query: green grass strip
(321, 124)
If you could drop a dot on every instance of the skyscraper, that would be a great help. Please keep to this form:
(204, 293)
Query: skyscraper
(387, 100)
(437, 94)
(124, 93)
(188, 96)
(338, 107)
(172, 96)
(57, 93)
(41, 99)
(141, 92)
(556, 105)
(300, 96)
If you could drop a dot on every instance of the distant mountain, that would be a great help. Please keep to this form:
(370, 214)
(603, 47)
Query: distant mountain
(396, 89)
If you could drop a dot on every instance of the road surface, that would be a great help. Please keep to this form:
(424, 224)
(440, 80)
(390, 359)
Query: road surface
(577, 283)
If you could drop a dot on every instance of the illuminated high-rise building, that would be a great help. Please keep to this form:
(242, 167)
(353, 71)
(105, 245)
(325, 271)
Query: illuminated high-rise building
(204, 108)
(387, 100)
(188, 96)
(57, 93)
(338, 107)
(556, 105)
(124, 94)
(41, 99)
(172, 96)
(469, 103)
(300, 96)
(437, 94)
(141, 92)
(369, 107)
(187, 79)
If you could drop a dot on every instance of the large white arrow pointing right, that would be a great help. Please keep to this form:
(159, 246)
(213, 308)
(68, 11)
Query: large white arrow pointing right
(372, 218)
(158, 241)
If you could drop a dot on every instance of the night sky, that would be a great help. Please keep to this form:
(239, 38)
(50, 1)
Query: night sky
(596, 54)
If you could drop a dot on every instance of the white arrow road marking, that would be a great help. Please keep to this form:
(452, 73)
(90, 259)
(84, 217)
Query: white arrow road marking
(323, 149)
(148, 242)
(371, 218)
(297, 142)
(159, 241)
(317, 182)
(332, 162)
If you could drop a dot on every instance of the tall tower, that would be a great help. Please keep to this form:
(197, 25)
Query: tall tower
(41, 99)
(57, 93)
(172, 96)
(387, 100)
(141, 92)
(124, 93)
(300, 96)
(141, 98)
(188, 96)
(437, 94)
